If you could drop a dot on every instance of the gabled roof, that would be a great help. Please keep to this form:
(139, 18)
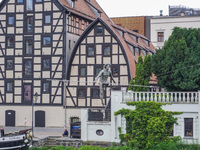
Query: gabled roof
(87, 8)
(84, 7)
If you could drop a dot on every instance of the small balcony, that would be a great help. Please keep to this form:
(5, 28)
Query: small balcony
(163, 97)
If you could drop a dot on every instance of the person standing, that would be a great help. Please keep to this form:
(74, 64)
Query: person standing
(103, 75)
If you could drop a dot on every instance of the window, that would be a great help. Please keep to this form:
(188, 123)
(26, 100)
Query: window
(74, 119)
(188, 126)
(9, 86)
(81, 93)
(29, 5)
(97, 70)
(46, 41)
(46, 87)
(47, 19)
(10, 42)
(160, 36)
(27, 93)
(107, 50)
(9, 64)
(99, 30)
(90, 50)
(115, 71)
(82, 71)
(171, 132)
(30, 24)
(95, 93)
(11, 20)
(28, 67)
(38, 1)
(135, 31)
(20, 1)
(28, 47)
(46, 63)
(69, 43)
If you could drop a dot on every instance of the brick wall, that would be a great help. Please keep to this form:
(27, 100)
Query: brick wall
(132, 23)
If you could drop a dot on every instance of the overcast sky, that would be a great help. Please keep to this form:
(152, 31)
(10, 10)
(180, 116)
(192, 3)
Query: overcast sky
(121, 8)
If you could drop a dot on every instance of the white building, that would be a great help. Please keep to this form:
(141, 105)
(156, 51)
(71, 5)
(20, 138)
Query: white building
(185, 102)
(162, 27)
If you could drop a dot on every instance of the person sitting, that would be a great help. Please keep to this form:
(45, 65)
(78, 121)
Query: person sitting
(65, 133)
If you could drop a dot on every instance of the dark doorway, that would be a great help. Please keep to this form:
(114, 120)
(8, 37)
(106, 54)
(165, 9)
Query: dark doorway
(39, 119)
(75, 127)
(10, 118)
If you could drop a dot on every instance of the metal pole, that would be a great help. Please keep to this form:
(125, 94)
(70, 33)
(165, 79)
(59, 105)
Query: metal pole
(65, 102)
(32, 127)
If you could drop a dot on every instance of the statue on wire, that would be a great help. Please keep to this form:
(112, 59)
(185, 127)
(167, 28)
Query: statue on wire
(103, 75)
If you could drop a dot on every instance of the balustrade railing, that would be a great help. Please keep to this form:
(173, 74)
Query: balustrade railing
(163, 97)
(99, 115)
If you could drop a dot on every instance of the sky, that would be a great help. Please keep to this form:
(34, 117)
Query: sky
(123, 8)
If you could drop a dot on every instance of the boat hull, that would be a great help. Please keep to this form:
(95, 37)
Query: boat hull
(14, 142)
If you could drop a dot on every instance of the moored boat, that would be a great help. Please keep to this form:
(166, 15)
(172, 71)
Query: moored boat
(15, 141)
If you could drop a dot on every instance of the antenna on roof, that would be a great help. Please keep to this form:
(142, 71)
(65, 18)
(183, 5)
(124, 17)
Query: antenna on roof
(161, 11)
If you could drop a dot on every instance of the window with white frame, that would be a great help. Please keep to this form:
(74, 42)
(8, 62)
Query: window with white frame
(188, 122)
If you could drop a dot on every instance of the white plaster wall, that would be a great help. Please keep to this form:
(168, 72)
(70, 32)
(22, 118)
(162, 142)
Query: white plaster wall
(166, 24)
(54, 116)
(89, 128)
(189, 111)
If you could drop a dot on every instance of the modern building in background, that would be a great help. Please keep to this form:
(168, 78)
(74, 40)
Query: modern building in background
(37, 39)
(183, 11)
(162, 27)
(159, 28)
(139, 24)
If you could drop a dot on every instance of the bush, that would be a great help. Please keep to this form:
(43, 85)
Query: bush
(147, 125)
(63, 148)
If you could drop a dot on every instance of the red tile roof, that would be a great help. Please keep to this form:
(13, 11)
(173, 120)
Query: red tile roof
(83, 8)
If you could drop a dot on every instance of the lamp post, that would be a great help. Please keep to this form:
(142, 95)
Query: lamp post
(36, 98)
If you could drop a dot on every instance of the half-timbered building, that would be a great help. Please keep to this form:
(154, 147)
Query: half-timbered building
(103, 43)
(39, 48)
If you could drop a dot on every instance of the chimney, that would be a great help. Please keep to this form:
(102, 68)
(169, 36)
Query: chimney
(161, 11)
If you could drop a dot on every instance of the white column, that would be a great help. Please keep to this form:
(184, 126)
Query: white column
(84, 118)
(199, 115)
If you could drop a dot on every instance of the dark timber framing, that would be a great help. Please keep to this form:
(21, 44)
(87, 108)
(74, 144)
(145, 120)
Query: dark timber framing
(80, 58)
(54, 51)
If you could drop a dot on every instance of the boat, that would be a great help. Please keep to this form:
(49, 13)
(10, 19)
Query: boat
(15, 141)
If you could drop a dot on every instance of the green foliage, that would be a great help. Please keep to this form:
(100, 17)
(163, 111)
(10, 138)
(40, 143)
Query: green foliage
(172, 145)
(143, 73)
(90, 148)
(176, 65)
(41, 148)
(54, 148)
(63, 148)
(148, 124)
(130, 88)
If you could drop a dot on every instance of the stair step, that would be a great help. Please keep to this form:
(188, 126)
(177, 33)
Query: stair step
(51, 141)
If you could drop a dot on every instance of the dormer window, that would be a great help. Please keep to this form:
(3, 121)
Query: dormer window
(99, 30)
(73, 3)
(29, 5)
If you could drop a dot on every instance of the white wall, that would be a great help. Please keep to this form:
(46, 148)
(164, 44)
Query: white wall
(54, 116)
(89, 128)
(166, 24)
(189, 111)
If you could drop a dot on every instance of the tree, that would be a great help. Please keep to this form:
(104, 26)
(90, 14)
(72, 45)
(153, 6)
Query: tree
(148, 124)
(176, 65)
(147, 70)
(143, 73)
(130, 88)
